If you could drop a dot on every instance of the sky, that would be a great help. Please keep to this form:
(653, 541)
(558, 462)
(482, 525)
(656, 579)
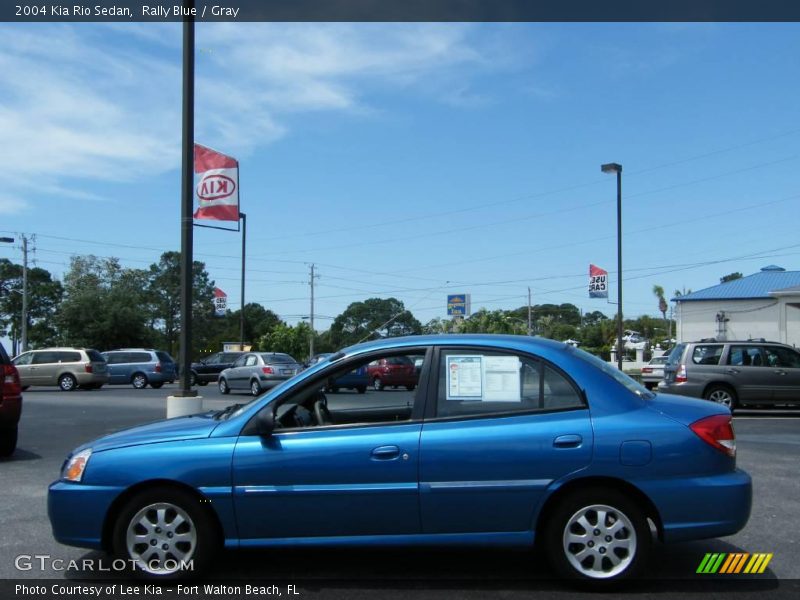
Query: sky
(413, 160)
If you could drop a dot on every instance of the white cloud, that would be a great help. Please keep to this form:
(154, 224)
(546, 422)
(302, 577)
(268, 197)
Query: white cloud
(102, 102)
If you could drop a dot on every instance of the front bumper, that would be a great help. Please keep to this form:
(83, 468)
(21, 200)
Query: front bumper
(77, 512)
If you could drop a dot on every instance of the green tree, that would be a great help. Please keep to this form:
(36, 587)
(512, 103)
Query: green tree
(104, 306)
(373, 318)
(730, 277)
(494, 321)
(44, 295)
(288, 339)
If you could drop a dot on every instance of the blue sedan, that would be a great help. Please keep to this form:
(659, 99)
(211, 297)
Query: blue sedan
(507, 440)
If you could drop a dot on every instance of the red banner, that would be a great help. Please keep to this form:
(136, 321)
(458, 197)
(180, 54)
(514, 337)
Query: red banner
(216, 189)
(598, 282)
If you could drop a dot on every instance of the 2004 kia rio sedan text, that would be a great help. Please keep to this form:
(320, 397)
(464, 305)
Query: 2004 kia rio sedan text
(506, 440)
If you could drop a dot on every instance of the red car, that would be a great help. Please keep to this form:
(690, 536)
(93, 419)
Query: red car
(394, 371)
(10, 405)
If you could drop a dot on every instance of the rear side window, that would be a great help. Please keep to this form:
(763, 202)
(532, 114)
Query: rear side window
(746, 356)
(488, 383)
(707, 355)
(66, 357)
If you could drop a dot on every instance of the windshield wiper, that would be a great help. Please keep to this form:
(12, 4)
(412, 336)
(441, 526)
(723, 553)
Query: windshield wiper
(228, 410)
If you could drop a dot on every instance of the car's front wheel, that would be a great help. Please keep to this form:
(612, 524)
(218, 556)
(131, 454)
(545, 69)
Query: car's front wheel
(722, 395)
(165, 533)
(597, 535)
(223, 386)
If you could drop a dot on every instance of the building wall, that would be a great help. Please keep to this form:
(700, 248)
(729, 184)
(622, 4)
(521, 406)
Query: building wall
(746, 319)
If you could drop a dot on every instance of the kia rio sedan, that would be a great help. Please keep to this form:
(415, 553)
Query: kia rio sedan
(506, 440)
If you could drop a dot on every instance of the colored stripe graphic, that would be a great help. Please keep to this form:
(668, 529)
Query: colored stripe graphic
(725, 563)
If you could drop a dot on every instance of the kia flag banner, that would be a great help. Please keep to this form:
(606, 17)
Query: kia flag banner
(598, 282)
(216, 185)
(220, 302)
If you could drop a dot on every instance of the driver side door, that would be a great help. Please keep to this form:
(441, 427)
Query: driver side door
(357, 476)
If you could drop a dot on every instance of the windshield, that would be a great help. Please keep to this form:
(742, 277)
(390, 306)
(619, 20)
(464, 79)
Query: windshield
(613, 372)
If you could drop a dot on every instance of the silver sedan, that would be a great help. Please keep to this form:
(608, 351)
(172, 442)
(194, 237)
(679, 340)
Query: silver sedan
(258, 371)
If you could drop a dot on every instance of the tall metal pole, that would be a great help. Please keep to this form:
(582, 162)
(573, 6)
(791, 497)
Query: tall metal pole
(24, 293)
(530, 331)
(619, 268)
(187, 179)
(311, 319)
(244, 249)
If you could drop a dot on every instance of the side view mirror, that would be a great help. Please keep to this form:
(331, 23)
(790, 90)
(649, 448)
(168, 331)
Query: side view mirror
(265, 422)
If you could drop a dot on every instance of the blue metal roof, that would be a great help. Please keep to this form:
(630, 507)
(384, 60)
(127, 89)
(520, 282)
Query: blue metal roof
(757, 285)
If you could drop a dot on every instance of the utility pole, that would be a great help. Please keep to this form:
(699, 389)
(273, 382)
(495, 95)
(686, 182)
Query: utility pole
(530, 330)
(24, 293)
(311, 315)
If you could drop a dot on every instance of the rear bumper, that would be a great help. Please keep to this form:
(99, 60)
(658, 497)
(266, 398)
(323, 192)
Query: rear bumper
(701, 507)
(693, 390)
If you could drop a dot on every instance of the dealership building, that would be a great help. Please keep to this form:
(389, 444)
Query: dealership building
(762, 305)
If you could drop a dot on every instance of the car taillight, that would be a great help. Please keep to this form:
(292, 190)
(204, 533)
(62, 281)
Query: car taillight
(11, 385)
(680, 374)
(158, 367)
(267, 370)
(88, 367)
(717, 431)
(647, 370)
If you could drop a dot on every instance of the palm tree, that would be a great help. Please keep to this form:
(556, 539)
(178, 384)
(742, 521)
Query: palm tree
(662, 307)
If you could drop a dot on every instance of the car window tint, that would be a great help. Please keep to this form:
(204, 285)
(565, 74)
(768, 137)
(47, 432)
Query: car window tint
(140, 357)
(68, 357)
(44, 358)
(164, 357)
(240, 361)
(271, 358)
(558, 392)
(782, 357)
(707, 355)
(214, 359)
(23, 359)
(746, 356)
(251, 360)
(94, 356)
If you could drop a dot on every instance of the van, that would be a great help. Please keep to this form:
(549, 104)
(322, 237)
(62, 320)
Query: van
(68, 368)
(140, 367)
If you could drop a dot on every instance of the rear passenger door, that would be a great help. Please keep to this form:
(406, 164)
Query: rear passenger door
(754, 379)
(499, 429)
(784, 363)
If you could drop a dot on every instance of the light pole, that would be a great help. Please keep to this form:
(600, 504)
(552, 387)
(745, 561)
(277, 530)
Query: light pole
(617, 168)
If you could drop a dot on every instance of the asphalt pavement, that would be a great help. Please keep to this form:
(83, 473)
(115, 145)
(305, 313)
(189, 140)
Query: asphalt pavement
(54, 422)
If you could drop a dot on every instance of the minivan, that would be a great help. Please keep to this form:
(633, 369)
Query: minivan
(140, 367)
(68, 368)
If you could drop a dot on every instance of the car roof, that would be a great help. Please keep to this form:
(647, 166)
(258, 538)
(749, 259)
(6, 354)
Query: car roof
(500, 341)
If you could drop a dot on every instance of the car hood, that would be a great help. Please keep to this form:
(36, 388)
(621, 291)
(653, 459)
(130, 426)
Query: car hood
(169, 430)
(686, 410)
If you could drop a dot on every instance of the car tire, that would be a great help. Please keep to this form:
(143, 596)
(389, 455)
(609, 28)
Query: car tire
(139, 381)
(8, 441)
(362, 389)
(67, 383)
(151, 516)
(410, 388)
(255, 388)
(223, 386)
(619, 536)
(722, 395)
(24, 387)
(377, 384)
(201, 383)
(157, 385)
(192, 379)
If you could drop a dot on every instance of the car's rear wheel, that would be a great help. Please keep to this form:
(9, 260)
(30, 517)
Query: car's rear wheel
(67, 382)
(159, 531)
(377, 384)
(255, 388)
(597, 536)
(139, 381)
(362, 389)
(410, 388)
(722, 395)
(8, 441)
(223, 386)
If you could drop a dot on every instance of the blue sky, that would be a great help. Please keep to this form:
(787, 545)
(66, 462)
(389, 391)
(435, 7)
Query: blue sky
(414, 160)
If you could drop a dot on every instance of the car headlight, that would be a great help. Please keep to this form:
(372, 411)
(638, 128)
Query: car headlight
(76, 465)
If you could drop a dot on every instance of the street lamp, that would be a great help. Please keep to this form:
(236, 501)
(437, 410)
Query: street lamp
(617, 168)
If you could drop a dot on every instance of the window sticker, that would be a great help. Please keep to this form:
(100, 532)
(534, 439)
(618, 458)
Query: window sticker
(502, 380)
(464, 377)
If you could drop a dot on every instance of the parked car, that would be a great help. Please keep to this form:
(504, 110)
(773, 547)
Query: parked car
(207, 370)
(734, 373)
(10, 405)
(357, 379)
(258, 371)
(140, 367)
(396, 371)
(507, 440)
(653, 371)
(68, 368)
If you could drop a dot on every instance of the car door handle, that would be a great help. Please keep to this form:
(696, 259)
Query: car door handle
(780, 372)
(385, 453)
(732, 371)
(572, 440)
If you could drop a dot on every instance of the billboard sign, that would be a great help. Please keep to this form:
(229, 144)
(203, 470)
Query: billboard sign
(458, 305)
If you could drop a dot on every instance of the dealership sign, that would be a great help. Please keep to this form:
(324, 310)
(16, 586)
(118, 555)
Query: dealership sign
(220, 302)
(598, 282)
(216, 190)
(458, 305)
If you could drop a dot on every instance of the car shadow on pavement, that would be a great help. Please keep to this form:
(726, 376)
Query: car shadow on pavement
(20, 455)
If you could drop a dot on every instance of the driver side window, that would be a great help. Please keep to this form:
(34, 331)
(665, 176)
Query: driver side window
(374, 390)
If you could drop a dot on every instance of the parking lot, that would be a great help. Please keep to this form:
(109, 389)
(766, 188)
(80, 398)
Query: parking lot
(54, 422)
